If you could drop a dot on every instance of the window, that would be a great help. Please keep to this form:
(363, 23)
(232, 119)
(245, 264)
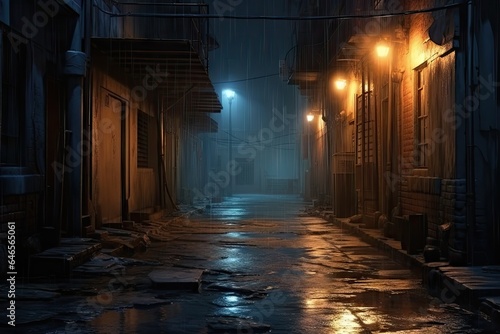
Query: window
(144, 122)
(421, 117)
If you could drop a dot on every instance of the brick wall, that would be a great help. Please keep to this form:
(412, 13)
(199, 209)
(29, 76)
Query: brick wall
(430, 189)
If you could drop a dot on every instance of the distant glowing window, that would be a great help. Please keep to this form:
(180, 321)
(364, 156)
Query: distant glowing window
(421, 117)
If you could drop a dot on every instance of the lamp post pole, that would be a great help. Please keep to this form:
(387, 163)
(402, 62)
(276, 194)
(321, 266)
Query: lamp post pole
(308, 190)
(230, 98)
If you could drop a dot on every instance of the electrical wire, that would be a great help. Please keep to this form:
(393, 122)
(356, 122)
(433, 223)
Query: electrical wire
(247, 79)
(284, 18)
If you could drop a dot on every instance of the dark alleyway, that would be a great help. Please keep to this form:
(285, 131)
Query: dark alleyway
(267, 268)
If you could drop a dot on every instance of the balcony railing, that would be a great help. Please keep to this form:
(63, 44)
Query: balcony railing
(153, 19)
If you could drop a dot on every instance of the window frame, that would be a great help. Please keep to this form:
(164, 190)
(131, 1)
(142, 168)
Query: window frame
(421, 117)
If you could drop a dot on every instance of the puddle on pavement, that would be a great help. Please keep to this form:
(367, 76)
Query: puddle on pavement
(406, 302)
(350, 274)
(231, 300)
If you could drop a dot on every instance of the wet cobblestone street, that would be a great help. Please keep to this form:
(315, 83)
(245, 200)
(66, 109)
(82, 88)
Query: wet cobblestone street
(266, 268)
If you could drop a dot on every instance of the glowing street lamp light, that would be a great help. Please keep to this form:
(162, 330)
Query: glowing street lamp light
(340, 84)
(310, 117)
(382, 49)
(229, 94)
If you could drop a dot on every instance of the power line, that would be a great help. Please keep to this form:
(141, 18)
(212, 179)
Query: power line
(283, 18)
(247, 79)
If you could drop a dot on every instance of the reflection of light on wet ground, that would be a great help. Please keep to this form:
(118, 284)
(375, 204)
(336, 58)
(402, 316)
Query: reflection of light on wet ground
(114, 322)
(370, 317)
(310, 302)
(232, 212)
(233, 305)
(231, 299)
(230, 260)
(345, 322)
(256, 205)
(234, 234)
(231, 255)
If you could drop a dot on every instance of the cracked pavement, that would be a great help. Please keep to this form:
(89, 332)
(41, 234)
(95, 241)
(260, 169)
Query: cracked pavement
(266, 268)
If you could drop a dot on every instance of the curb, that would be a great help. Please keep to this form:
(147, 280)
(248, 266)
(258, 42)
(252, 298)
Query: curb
(413, 261)
(434, 275)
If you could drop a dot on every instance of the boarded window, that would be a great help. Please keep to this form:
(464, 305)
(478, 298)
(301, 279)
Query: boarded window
(421, 117)
(144, 122)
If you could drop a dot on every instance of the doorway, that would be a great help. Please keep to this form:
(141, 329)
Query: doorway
(109, 157)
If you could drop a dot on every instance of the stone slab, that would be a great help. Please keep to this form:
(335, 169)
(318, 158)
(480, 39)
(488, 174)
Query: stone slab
(59, 261)
(176, 278)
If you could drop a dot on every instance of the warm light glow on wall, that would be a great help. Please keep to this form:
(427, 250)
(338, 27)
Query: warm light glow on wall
(340, 84)
(382, 49)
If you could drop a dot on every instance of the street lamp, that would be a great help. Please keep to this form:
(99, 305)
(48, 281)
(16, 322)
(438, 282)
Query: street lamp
(382, 49)
(310, 117)
(340, 84)
(230, 94)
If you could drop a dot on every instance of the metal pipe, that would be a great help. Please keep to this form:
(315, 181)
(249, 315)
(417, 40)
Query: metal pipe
(75, 68)
(1, 104)
(363, 106)
(469, 138)
(389, 153)
(87, 160)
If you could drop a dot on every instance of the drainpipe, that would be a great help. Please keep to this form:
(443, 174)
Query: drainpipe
(86, 189)
(75, 68)
(1, 76)
(469, 138)
(4, 18)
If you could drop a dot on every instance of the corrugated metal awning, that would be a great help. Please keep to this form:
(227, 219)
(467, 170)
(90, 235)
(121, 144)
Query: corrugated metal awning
(173, 68)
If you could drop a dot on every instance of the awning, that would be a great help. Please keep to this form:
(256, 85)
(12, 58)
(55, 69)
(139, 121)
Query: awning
(201, 123)
(172, 68)
(307, 81)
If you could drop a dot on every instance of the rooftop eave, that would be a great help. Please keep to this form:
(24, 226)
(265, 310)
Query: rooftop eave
(172, 67)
